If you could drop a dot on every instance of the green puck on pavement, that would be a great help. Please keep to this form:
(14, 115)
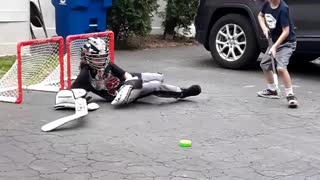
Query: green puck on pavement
(185, 143)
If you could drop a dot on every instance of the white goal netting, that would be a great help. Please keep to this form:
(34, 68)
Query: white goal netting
(37, 67)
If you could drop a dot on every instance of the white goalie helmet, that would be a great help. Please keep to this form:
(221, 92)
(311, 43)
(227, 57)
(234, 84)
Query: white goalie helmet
(95, 53)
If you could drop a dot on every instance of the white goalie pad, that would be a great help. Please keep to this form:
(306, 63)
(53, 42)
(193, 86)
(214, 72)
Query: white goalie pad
(79, 93)
(65, 99)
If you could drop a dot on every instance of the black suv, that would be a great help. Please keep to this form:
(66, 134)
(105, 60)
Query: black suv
(230, 30)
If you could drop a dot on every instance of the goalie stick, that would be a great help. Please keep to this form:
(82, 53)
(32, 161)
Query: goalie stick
(81, 111)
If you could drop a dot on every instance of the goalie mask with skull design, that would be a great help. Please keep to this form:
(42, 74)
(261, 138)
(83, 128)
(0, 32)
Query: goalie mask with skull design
(95, 53)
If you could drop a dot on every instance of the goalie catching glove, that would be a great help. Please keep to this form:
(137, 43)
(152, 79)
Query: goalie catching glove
(65, 99)
(128, 92)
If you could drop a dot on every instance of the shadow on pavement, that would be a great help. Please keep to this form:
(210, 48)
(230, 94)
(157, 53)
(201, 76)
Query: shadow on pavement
(309, 69)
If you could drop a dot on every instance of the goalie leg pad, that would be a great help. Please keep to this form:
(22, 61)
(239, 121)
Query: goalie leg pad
(79, 93)
(148, 77)
(65, 99)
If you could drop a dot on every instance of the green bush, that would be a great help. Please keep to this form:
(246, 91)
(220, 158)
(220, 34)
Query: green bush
(178, 14)
(131, 18)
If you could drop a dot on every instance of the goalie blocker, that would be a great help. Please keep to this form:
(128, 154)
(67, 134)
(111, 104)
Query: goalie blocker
(128, 92)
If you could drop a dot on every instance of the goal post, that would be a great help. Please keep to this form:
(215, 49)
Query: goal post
(39, 66)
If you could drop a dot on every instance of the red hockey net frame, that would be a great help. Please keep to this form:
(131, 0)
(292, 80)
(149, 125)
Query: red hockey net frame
(73, 46)
(57, 74)
(51, 82)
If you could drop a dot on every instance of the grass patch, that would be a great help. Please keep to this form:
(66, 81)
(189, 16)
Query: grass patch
(34, 72)
(39, 70)
(5, 63)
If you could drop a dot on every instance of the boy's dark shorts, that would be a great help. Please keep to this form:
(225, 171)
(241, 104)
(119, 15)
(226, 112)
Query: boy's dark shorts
(283, 55)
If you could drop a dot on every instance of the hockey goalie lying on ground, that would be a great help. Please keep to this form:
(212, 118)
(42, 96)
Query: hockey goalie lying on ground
(107, 80)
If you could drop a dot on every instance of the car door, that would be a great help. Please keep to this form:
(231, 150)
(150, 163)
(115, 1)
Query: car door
(306, 17)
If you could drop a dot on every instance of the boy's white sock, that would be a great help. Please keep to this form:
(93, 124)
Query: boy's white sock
(272, 87)
(289, 91)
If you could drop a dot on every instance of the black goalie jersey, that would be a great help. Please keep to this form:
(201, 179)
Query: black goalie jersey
(104, 83)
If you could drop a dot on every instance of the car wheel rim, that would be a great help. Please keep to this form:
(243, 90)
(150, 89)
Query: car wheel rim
(231, 42)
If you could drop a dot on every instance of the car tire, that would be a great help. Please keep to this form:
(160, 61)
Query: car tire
(239, 59)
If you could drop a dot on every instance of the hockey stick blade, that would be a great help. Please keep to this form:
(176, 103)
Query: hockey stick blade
(81, 111)
(59, 122)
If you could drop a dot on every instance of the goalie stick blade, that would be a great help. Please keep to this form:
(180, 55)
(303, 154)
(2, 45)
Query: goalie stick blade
(81, 109)
(59, 122)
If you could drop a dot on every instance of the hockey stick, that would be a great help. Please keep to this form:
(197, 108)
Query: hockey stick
(81, 111)
(275, 75)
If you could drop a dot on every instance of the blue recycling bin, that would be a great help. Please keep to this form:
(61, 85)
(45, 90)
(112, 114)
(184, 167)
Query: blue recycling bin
(80, 16)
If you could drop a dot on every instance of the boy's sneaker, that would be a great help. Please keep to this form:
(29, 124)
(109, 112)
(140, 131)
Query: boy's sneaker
(193, 90)
(292, 100)
(268, 93)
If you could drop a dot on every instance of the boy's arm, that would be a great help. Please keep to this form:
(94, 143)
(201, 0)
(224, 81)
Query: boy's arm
(283, 36)
(263, 25)
(262, 20)
(120, 72)
(285, 25)
(82, 80)
(127, 76)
